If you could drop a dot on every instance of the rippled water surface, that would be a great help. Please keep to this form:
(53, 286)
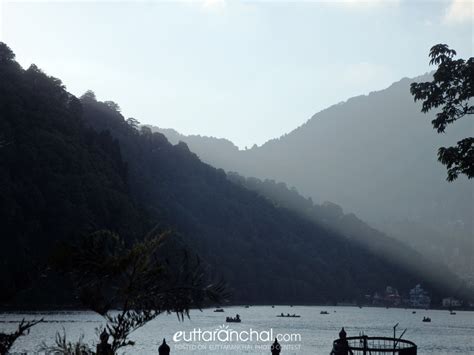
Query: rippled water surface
(313, 333)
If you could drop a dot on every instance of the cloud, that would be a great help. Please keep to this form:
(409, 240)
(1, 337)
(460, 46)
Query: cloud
(459, 11)
(213, 5)
(369, 2)
(360, 4)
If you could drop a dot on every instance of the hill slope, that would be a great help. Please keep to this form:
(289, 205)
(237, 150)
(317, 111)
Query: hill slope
(69, 167)
(376, 156)
(58, 178)
(267, 254)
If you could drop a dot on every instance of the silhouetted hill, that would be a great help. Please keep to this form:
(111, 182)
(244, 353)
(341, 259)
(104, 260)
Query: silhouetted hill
(333, 217)
(376, 156)
(70, 166)
(58, 178)
(267, 254)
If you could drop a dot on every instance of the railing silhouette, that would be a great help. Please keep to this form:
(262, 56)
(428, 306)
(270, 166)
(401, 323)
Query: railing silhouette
(365, 345)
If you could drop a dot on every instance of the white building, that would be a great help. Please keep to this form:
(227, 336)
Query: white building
(419, 298)
(450, 302)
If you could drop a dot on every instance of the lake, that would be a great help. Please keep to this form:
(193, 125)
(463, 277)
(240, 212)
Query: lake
(313, 333)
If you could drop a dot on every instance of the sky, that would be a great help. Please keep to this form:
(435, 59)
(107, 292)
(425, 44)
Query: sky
(248, 71)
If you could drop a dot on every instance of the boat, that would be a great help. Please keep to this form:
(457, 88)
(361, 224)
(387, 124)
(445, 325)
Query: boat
(452, 313)
(236, 319)
(324, 312)
(218, 310)
(413, 312)
(247, 306)
(426, 319)
(288, 315)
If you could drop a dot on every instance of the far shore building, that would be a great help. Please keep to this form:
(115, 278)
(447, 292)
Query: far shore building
(419, 298)
(451, 302)
(389, 298)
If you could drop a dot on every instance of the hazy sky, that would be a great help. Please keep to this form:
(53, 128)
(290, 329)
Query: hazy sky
(244, 70)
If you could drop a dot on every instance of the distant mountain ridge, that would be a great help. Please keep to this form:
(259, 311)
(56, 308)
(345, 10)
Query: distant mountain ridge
(375, 155)
(70, 166)
(333, 217)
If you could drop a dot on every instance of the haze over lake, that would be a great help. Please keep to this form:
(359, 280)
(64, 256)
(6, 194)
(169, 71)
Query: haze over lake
(446, 334)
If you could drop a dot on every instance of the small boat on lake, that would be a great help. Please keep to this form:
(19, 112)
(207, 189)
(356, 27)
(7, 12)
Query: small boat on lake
(426, 319)
(452, 313)
(288, 315)
(233, 320)
(324, 312)
(219, 310)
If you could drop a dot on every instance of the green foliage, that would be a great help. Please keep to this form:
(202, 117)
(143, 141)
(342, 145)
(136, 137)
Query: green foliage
(458, 159)
(58, 178)
(8, 339)
(134, 279)
(89, 95)
(64, 347)
(134, 123)
(112, 105)
(6, 54)
(452, 89)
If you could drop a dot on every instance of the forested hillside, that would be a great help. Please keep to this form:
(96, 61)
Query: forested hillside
(375, 155)
(265, 253)
(333, 217)
(58, 178)
(69, 167)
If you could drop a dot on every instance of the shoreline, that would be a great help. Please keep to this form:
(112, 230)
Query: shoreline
(77, 309)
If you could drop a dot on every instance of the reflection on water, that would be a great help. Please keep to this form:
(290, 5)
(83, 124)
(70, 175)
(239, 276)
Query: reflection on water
(313, 333)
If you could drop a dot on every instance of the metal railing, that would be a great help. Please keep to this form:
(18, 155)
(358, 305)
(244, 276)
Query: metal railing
(365, 345)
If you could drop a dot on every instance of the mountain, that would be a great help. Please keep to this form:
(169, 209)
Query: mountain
(333, 217)
(376, 156)
(58, 178)
(266, 253)
(72, 166)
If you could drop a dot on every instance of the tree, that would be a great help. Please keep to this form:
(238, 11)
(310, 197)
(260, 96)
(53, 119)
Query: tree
(7, 340)
(452, 89)
(6, 54)
(146, 131)
(112, 105)
(65, 347)
(132, 122)
(89, 95)
(137, 280)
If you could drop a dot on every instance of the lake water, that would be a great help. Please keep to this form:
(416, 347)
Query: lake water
(313, 333)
